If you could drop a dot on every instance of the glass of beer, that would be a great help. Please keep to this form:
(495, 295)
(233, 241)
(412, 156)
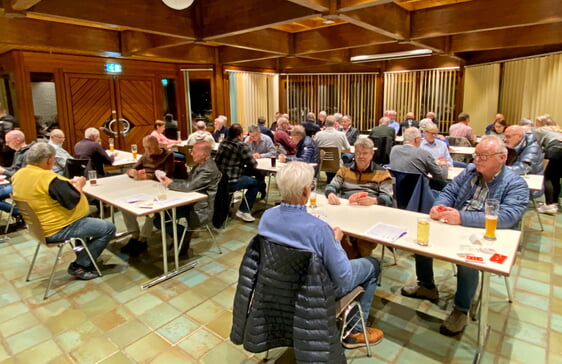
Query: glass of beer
(111, 145)
(312, 198)
(93, 177)
(423, 231)
(134, 150)
(491, 208)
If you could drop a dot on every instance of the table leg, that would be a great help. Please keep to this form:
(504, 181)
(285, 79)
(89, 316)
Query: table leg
(164, 247)
(175, 231)
(483, 327)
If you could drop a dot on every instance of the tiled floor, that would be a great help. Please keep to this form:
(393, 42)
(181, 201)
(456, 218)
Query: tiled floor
(188, 318)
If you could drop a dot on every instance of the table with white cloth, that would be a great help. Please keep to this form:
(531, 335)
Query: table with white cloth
(356, 220)
(534, 181)
(141, 198)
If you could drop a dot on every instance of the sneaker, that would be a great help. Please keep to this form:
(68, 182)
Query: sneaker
(454, 324)
(551, 209)
(357, 339)
(419, 291)
(81, 272)
(246, 216)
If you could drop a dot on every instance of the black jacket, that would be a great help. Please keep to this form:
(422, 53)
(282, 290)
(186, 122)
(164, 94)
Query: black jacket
(285, 297)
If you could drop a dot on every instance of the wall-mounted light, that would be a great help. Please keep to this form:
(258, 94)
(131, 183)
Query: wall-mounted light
(393, 55)
(178, 4)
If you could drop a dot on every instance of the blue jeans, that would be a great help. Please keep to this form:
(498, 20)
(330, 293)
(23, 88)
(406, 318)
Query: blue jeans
(252, 186)
(96, 234)
(467, 281)
(365, 273)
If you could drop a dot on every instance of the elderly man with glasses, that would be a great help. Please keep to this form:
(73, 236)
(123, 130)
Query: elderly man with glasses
(435, 147)
(56, 139)
(462, 203)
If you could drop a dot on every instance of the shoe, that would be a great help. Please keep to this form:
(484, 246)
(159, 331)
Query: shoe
(454, 324)
(81, 272)
(246, 216)
(551, 209)
(419, 291)
(357, 339)
(134, 247)
(185, 245)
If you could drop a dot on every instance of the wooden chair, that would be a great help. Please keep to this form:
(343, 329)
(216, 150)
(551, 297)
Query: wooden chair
(329, 160)
(36, 231)
(186, 151)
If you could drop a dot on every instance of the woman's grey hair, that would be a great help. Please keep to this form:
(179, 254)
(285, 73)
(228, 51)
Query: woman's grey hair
(293, 178)
(501, 148)
(39, 153)
(364, 143)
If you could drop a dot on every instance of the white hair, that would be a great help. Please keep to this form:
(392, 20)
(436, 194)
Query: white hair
(293, 178)
(410, 134)
(91, 132)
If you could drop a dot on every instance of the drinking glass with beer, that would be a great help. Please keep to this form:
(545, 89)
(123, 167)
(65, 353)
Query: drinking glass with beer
(111, 145)
(312, 197)
(134, 151)
(423, 231)
(491, 208)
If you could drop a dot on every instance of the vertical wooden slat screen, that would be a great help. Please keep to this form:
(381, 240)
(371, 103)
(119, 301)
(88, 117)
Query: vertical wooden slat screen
(420, 92)
(257, 94)
(481, 95)
(351, 94)
(532, 87)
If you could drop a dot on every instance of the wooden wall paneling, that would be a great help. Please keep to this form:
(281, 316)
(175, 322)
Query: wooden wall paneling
(136, 103)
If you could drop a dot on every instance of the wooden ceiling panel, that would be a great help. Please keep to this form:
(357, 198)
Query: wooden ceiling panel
(413, 5)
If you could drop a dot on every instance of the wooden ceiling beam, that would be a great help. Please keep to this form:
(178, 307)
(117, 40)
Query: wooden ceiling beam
(23, 4)
(481, 15)
(230, 55)
(535, 35)
(294, 62)
(133, 42)
(35, 33)
(389, 20)
(317, 5)
(192, 53)
(349, 5)
(336, 56)
(148, 15)
(221, 19)
(265, 40)
(336, 37)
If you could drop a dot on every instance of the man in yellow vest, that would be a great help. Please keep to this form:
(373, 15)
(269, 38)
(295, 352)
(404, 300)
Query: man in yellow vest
(61, 207)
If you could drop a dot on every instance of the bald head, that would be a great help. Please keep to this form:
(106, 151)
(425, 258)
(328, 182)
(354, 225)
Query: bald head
(513, 135)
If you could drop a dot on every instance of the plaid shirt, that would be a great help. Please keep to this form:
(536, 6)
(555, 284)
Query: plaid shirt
(233, 157)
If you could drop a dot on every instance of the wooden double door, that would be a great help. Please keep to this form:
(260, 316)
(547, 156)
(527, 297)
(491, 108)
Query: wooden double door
(123, 107)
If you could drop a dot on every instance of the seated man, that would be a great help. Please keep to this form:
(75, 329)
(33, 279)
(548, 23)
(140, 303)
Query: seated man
(89, 148)
(364, 175)
(310, 125)
(434, 146)
(233, 158)
(15, 140)
(462, 203)
(307, 151)
(310, 233)
(260, 144)
(524, 153)
(154, 158)
(56, 139)
(409, 158)
(282, 136)
(201, 134)
(219, 129)
(203, 178)
(383, 130)
(61, 207)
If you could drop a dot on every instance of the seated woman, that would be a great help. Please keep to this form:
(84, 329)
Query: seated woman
(158, 132)
(498, 128)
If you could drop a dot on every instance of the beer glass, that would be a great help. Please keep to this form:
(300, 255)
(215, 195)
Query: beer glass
(491, 208)
(312, 198)
(111, 145)
(423, 231)
(93, 177)
(134, 150)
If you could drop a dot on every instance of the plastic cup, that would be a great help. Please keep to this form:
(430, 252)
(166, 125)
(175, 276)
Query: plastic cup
(423, 231)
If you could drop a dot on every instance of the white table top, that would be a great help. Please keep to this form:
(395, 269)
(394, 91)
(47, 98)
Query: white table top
(121, 190)
(215, 147)
(461, 150)
(264, 164)
(124, 158)
(444, 240)
(534, 181)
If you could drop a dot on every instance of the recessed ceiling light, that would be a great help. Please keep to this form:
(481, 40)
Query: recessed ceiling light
(393, 55)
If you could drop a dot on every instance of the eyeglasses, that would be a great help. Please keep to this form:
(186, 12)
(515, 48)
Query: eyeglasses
(484, 157)
(58, 136)
(362, 154)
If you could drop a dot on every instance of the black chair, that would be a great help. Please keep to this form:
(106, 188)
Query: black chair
(383, 145)
(77, 168)
(284, 294)
(412, 191)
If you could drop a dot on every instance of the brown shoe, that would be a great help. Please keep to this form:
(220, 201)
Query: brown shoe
(357, 339)
(419, 291)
